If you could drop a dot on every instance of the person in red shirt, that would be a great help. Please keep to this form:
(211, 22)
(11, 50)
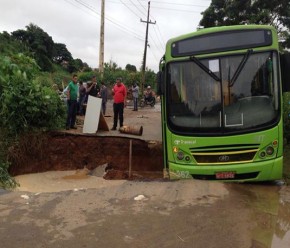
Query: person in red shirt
(119, 93)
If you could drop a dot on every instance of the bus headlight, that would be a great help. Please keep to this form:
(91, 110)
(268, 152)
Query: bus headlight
(262, 154)
(269, 150)
(180, 155)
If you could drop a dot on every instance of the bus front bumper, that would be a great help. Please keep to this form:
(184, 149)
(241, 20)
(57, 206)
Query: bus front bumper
(268, 170)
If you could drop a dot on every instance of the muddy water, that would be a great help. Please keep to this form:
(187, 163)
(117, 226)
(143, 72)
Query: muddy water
(173, 214)
(268, 215)
(269, 208)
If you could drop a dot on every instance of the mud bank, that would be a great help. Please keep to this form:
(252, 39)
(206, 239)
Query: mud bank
(61, 151)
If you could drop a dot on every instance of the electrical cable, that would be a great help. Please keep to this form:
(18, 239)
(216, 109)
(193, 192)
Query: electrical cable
(110, 19)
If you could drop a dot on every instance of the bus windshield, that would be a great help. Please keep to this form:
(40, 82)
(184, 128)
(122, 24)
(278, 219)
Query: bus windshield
(226, 98)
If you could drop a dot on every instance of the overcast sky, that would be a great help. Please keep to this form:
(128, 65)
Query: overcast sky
(76, 23)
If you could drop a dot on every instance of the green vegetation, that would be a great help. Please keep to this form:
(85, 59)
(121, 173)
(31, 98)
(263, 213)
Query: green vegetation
(56, 62)
(6, 181)
(33, 69)
(26, 106)
(26, 103)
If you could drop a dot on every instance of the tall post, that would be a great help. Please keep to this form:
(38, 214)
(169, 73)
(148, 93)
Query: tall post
(145, 49)
(102, 38)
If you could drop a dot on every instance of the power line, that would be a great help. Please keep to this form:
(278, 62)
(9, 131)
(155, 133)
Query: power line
(162, 3)
(153, 54)
(142, 5)
(180, 10)
(180, 4)
(88, 12)
(157, 47)
(110, 19)
(142, 13)
(86, 6)
(126, 30)
(130, 9)
(160, 35)
(161, 42)
(138, 8)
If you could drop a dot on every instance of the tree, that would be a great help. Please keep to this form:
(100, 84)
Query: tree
(86, 67)
(111, 66)
(150, 78)
(131, 68)
(39, 43)
(79, 64)
(234, 12)
(60, 53)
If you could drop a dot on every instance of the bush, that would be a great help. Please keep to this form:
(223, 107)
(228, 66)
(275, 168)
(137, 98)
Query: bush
(6, 181)
(26, 105)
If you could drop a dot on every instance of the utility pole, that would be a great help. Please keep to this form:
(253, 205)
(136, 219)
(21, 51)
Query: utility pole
(102, 34)
(145, 49)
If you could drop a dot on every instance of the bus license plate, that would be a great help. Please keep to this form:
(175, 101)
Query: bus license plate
(225, 175)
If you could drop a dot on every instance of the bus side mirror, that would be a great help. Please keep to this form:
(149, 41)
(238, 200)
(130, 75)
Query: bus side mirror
(160, 83)
(285, 71)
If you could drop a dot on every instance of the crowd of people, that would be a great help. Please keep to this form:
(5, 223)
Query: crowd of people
(77, 94)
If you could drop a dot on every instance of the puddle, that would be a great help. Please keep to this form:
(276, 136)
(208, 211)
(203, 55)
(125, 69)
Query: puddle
(269, 207)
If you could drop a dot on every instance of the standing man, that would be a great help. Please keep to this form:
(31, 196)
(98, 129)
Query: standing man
(120, 93)
(82, 98)
(104, 96)
(94, 88)
(135, 93)
(72, 96)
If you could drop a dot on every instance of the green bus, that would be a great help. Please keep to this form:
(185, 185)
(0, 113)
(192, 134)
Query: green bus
(221, 101)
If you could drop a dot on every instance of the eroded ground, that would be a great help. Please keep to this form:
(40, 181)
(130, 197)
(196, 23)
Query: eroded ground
(71, 150)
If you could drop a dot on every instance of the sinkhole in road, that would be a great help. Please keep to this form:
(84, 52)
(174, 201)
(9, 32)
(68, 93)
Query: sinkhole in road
(125, 157)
